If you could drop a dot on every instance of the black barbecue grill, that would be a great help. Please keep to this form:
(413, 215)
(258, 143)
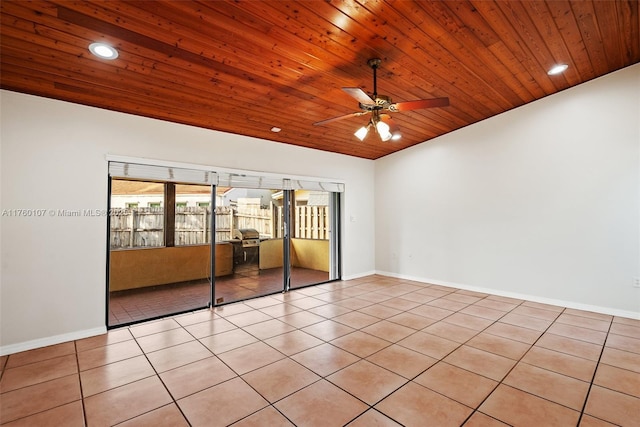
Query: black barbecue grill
(246, 246)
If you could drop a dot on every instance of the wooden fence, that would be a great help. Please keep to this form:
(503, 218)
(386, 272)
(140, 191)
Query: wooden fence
(250, 213)
(144, 227)
(137, 228)
(309, 222)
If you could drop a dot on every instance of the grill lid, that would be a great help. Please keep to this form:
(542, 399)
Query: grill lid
(246, 233)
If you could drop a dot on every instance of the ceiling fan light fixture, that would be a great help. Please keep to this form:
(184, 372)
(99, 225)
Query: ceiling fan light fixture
(557, 69)
(377, 105)
(103, 50)
(386, 137)
(362, 133)
(383, 131)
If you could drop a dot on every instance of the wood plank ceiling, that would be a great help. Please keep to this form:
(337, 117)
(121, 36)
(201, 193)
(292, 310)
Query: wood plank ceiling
(246, 66)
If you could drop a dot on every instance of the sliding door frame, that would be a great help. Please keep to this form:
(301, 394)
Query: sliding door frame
(166, 171)
(169, 177)
(108, 246)
(335, 258)
(212, 247)
(286, 244)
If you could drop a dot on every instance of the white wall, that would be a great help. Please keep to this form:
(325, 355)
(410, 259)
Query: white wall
(53, 157)
(541, 201)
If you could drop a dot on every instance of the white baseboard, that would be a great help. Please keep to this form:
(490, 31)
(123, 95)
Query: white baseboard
(358, 275)
(568, 304)
(56, 339)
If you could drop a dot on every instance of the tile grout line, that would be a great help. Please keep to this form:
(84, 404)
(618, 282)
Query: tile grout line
(514, 366)
(173, 399)
(409, 380)
(84, 410)
(272, 404)
(474, 410)
(378, 320)
(237, 375)
(232, 370)
(77, 374)
(324, 377)
(382, 319)
(156, 374)
(595, 372)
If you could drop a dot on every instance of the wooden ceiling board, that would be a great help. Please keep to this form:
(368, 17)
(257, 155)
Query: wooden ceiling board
(245, 66)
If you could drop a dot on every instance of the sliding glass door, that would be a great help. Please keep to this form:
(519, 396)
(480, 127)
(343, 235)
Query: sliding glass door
(181, 240)
(159, 243)
(311, 234)
(279, 240)
(249, 244)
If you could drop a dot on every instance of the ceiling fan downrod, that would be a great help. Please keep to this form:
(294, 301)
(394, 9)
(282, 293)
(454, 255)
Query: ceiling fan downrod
(374, 63)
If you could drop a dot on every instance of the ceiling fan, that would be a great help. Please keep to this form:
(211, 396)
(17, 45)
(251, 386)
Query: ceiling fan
(376, 104)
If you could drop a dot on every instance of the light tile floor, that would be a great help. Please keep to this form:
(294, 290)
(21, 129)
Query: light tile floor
(375, 351)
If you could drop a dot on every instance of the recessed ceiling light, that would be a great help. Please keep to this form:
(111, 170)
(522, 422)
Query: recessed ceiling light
(557, 69)
(275, 129)
(103, 51)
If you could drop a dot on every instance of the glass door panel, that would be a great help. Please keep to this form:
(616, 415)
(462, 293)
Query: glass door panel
(192, 241)
(249, 243)
(311, 234)
(159, 260)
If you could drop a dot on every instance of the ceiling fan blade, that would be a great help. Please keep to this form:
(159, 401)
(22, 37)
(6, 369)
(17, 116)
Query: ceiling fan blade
(359, 95)
(346, 116)
(418, 104)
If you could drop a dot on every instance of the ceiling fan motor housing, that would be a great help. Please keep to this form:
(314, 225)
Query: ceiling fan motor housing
(380, 102)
